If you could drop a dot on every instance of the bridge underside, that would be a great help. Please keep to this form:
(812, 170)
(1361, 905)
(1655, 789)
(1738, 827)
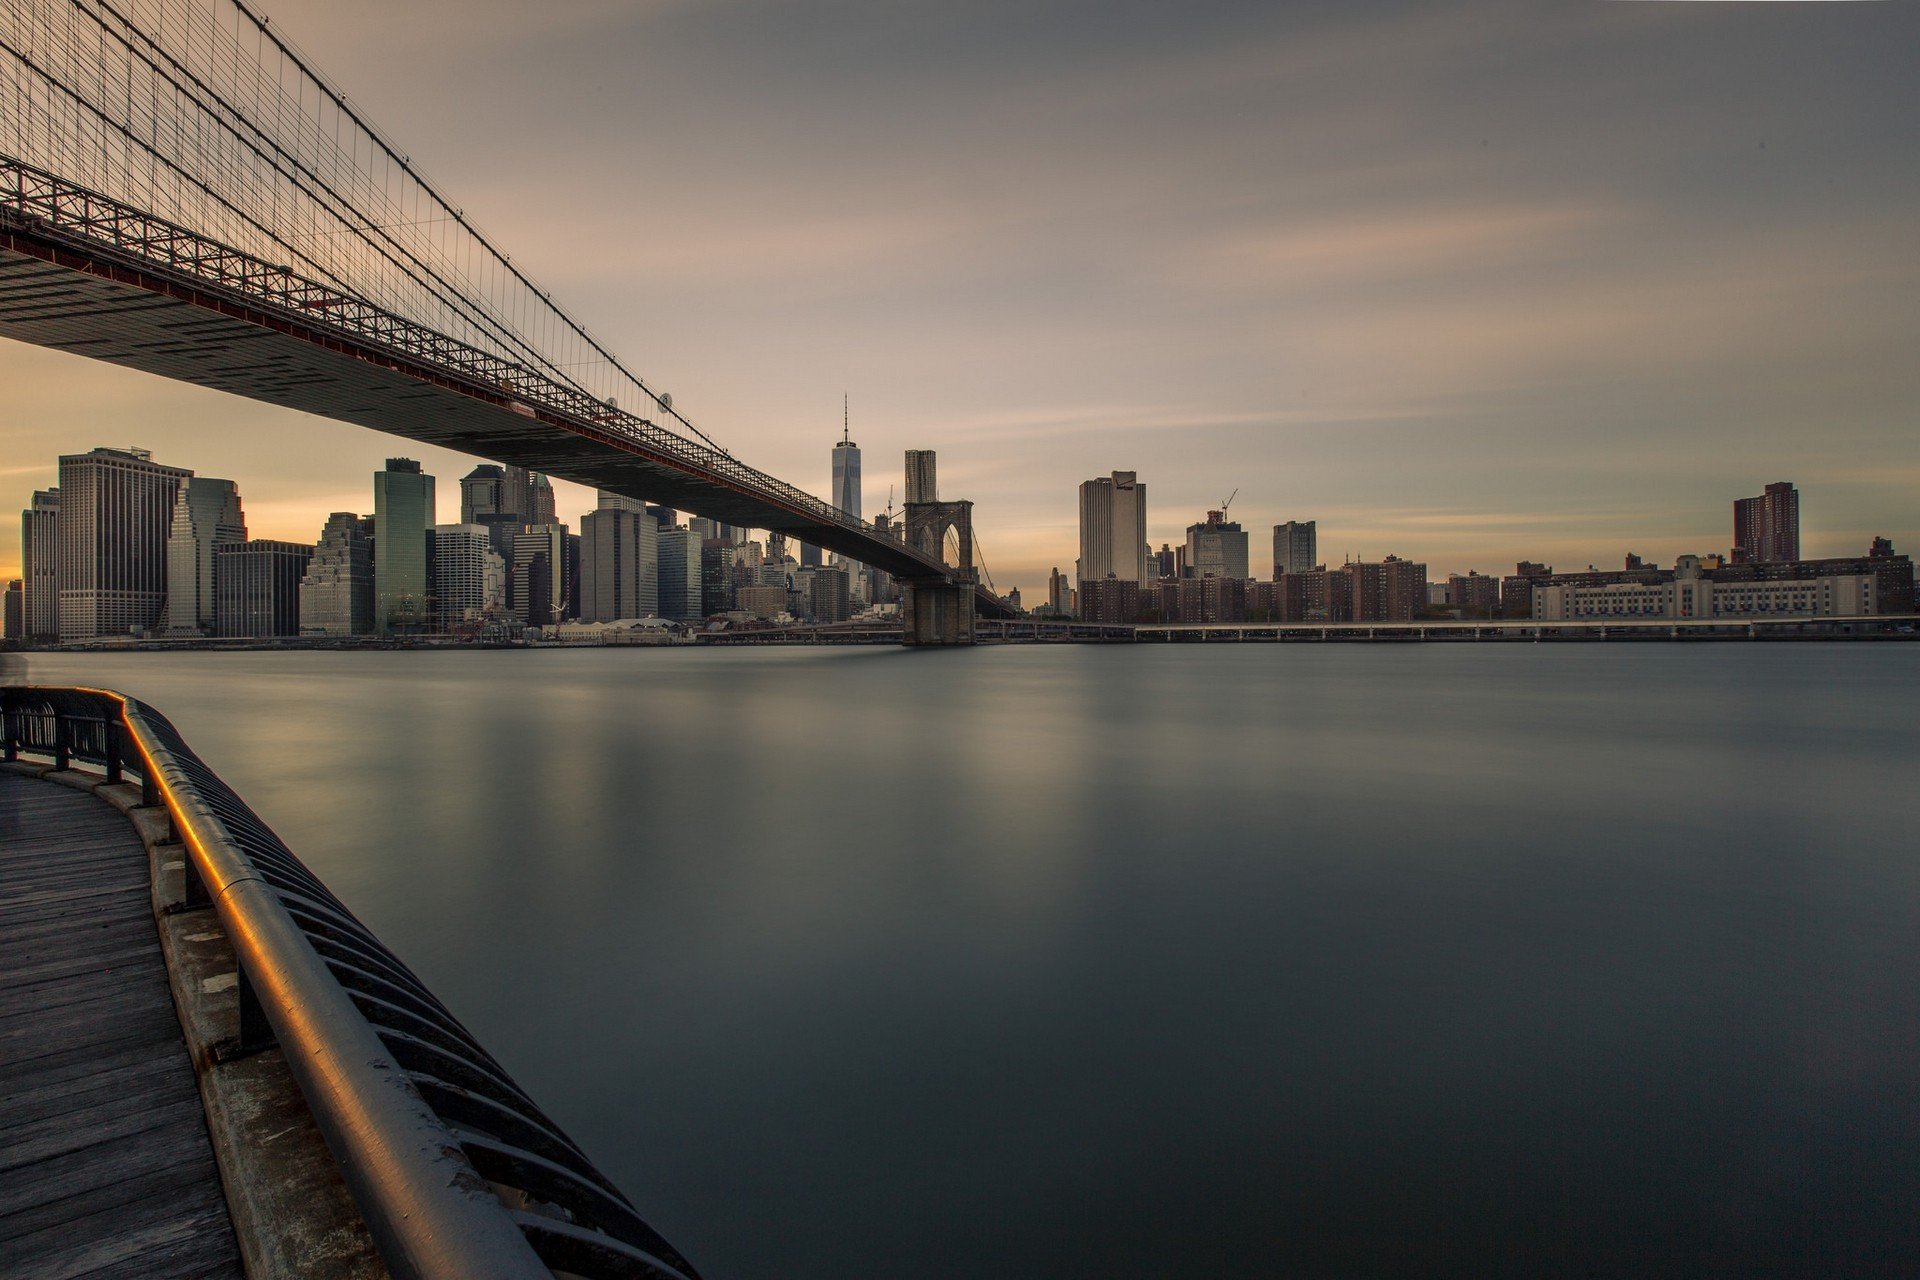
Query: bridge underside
(94, 305)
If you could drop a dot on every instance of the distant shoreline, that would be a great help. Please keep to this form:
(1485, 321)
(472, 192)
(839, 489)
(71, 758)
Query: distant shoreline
(1744, 630)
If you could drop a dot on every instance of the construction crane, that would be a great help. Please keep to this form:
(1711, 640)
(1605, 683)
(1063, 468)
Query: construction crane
(1226, 504)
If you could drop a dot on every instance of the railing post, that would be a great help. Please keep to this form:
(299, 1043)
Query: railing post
(194, 888)
(110, 747)
(256, 1033)
(62, 751)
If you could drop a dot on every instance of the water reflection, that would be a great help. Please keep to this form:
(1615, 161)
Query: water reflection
(1241, 961)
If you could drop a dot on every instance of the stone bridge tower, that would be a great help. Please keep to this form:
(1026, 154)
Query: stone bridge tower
(936, 611)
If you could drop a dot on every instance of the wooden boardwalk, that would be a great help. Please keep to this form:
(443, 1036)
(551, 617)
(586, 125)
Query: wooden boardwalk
(105, 1165)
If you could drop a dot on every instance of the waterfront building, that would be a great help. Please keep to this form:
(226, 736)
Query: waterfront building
(257, 587)
(1516, 589)
(619, 561)
(13, 624)
(1876, 584)
(1111, 599)
(679, 555)
(403, 511)
(1318, 594)
(1113, 530)
(1766, 527)
(1475, 593)
(469, 577)
(1392, 590)
(206, 515)
(1295, 547)
(831, 598)
(39, 553)
(538, 587)
(336, 592)
(111, 564)
(1217, 548)
(763, 601)
(716, 576)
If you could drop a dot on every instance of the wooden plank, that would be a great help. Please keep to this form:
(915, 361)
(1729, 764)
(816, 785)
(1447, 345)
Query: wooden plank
(178, 1174)
(76, 1089)
(105, 1165)
(110, 1121)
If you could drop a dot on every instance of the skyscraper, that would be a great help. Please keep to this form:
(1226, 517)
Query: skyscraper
(469, 577)
(542, 510)
(541, 580)
(1113, 529)
(516, 493)
(716, 576)
(1060, 594)
(680, 575)
(846, 470)
(403, 511)
(1295, 547)
(39, 553)
(1217, 548)
(483, 493)
(619, 561)
(206, 515)
(829, 594)
(336, 592)
(257, 587)
(111, 569)
(1766, 527)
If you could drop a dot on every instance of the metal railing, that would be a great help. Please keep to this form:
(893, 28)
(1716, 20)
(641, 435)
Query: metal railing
(458, 1173)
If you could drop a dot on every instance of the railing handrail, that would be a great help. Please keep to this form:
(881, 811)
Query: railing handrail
(411, 1170)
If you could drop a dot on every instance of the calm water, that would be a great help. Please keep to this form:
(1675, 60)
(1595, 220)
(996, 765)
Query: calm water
(1243, 961)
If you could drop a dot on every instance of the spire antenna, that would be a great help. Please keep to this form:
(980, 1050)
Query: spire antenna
(845, 428)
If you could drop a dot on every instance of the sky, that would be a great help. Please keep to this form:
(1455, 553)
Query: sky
(1467, 283)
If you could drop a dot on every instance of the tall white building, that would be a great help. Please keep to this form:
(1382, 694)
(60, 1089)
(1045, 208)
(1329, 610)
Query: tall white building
(111, 568)
(469, 577)
(206, 515)
(1113, 529)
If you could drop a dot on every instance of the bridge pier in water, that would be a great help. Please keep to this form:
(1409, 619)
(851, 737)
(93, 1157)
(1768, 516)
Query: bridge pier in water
(936, 611)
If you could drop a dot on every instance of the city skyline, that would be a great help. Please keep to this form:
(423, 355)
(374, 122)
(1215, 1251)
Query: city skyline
(1457, 299)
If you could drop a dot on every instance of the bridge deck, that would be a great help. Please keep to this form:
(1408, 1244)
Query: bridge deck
(106, 1168)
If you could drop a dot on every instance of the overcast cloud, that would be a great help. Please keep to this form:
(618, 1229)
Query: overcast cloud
(1467, 283)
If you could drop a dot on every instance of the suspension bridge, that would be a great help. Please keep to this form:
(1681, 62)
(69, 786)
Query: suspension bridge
(182, 193)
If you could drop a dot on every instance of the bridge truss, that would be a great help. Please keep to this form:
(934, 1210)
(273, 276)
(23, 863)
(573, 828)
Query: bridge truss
(189, 161)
